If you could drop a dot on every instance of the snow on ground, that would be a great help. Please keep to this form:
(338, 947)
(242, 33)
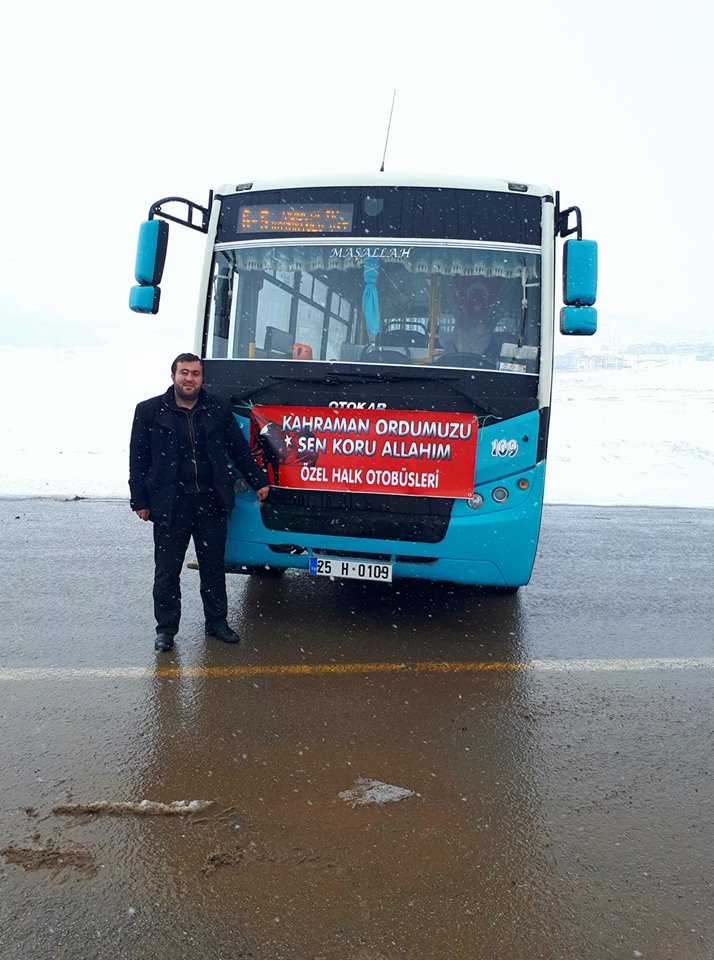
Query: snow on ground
(642, 435)
(68, 416)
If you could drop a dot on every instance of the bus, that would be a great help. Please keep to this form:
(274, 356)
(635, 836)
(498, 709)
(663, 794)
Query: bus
(387, 345)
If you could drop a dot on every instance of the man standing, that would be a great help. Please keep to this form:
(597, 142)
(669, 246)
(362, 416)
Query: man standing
(180, 478)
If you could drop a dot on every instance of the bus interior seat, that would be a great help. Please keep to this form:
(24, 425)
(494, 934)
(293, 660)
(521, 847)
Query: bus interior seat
(278, 343)
(403, 336)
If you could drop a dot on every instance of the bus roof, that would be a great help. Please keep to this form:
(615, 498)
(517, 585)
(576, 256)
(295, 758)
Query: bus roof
(385, 179)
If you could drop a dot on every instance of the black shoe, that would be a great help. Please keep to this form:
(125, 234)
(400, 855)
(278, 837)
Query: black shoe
(223, 632)
(164, 642)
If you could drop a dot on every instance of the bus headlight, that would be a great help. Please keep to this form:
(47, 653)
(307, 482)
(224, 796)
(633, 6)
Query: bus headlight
(500, 494)
(475, 502)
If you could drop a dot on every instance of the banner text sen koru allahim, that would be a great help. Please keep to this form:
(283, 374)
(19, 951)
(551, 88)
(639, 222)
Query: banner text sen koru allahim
(366, 451)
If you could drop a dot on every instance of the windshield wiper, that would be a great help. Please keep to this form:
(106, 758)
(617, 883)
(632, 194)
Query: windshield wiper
(481, 404)
(250, 391)
(338, 376)
(335, 376)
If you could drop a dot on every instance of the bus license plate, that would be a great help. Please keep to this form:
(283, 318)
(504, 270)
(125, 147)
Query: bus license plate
(350, 569)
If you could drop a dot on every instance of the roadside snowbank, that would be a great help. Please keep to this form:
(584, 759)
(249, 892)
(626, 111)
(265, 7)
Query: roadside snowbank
(642, 435)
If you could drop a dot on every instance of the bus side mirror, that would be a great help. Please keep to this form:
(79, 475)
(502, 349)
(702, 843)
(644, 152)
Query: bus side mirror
(150, 259)
(578, 317)
(578, 321)
(144, 299)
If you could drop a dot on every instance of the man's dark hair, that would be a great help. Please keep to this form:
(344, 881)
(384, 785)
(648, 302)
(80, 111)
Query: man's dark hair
(185, 358)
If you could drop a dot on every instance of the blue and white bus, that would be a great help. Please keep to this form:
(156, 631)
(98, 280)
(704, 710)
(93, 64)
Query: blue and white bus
(378, 298)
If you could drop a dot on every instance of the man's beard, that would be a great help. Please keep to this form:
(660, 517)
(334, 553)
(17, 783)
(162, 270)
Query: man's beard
(183, 395)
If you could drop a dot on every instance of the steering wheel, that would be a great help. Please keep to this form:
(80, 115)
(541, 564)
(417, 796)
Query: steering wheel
(478, 361)
(377, 354)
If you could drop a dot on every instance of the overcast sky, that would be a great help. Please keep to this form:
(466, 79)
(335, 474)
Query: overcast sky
(107, 108)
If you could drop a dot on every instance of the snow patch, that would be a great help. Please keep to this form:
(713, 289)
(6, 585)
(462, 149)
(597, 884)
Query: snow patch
(367, 791)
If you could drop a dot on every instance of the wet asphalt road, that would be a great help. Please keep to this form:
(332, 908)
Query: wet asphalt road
(558, 745)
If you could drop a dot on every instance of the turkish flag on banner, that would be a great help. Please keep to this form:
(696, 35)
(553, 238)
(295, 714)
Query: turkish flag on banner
(405, 452)
(273, 446)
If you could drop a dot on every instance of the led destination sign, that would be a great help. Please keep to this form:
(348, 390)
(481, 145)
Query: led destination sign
(300, 218)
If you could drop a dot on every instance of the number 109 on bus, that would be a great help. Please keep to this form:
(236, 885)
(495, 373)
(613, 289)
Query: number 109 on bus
(350, 569)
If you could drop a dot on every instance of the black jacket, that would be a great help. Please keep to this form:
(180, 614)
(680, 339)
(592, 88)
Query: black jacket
(154, 453)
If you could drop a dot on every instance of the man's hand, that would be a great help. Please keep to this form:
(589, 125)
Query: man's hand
(262, 493)
(143, 514)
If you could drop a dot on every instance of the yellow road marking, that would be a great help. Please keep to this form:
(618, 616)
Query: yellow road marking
(345, 669)
(315, 669)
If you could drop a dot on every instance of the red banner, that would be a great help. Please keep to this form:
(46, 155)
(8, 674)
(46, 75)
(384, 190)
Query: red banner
(366, 451)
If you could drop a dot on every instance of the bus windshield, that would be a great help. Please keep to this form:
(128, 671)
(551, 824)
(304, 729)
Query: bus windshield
(460, 305)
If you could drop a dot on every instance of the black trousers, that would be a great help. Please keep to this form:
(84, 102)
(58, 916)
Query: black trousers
(203, 517)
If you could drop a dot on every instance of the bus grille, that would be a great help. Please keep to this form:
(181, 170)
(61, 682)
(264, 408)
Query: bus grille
(415, 519)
